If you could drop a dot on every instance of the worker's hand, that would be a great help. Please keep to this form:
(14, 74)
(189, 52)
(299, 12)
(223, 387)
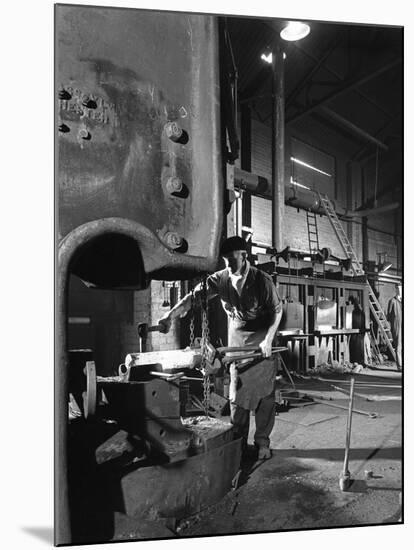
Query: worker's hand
(266, 347)
(212, 368)
(165, 324)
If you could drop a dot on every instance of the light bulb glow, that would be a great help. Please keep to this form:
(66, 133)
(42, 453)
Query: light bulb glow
(268, 58)
(295, 30)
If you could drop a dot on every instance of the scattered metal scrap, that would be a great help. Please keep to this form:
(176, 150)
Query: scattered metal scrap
(369, 414)
(370, 397)
(311, 400)
(316, 419)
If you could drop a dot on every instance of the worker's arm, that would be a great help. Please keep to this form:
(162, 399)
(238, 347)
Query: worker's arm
(266, 344)
(274, 303)
(182, 307)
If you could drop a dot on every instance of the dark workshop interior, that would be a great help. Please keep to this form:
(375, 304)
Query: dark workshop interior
(175, 132)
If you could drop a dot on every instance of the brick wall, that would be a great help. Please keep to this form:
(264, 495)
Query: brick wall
(379, 243)
(158, 341)
(347, 176)
(141, 314)
(148, 308)
(295, 233)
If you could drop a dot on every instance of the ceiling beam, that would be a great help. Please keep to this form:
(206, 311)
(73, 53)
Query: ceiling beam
(265, 72)
(372, 211)
(255, 87)
(352, 127)
(359, 155)
(330, 49)
(340, 79)
(347, 86)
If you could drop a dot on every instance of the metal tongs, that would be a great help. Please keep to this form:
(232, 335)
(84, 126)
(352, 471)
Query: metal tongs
(249, 352)
(215, 357)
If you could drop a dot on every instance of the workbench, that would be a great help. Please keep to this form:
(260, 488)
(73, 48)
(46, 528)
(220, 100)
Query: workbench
(310, 345)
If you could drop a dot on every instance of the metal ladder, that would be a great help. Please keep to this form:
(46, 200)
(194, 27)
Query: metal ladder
(374, 305)
(313, 236)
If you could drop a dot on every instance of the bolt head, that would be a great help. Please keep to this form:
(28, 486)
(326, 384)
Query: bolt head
(173, 240)
(63, 128)
(64, 94)
(84, 134)
(174, 184)
(173, 131)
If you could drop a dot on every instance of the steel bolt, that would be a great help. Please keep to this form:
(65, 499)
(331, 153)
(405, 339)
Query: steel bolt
(64, 94)
(173, 131)
(84, 134)
(89, 103)
(174, 184)
(64, 128)
(173, 240)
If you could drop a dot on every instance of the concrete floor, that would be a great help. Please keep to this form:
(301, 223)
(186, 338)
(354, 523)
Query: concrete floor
(299, 486)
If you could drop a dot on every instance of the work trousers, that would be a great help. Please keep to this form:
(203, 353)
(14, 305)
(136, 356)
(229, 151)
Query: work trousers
(264, 420)
(398, 349)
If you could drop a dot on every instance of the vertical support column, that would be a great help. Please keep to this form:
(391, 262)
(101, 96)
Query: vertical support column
(349, 193)
(246, 162)
(246, 138)
(278, 146)
(365, 249)
(397, 238)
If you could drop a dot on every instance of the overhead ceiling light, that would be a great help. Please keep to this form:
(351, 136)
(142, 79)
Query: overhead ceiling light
(268, 57)
(295, 30)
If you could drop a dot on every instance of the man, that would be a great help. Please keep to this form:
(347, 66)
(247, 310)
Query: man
(357, 346)
(254, 309)
(395, 319)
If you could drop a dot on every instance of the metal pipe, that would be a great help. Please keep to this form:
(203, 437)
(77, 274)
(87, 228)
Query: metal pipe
(352, 127)
(278, 147)
(293, 196)
(374, 211)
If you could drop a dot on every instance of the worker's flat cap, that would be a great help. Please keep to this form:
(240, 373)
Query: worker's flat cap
(231, 244)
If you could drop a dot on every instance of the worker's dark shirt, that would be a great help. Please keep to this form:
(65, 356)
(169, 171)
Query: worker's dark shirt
(257, 303)
(394, 316)
(250, 313)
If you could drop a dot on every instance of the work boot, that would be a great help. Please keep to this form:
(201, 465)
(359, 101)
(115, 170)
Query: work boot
(264, 453)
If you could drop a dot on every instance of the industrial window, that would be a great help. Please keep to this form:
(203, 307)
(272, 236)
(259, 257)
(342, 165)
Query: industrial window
(312, 168)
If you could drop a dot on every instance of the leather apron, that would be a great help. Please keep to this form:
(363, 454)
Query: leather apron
(249, 385)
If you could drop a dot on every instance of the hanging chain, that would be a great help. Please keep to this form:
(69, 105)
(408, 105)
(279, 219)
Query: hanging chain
(192, 319)
(205, 337)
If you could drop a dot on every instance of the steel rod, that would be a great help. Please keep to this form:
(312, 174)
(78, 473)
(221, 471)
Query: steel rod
(348, 426)
(278, 147)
